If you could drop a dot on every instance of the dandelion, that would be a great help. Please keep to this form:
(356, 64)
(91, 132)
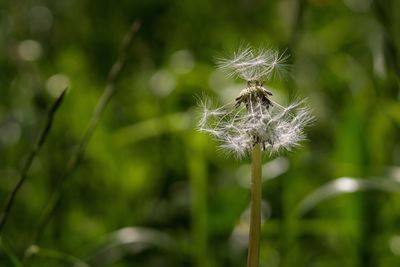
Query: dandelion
(254, 122)
(254, 118)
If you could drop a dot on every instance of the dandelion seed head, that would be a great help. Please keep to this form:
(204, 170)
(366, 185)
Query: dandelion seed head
(254, 118)
(275, 128)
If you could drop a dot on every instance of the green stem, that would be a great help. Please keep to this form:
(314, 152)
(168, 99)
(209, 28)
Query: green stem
(32, 155)
(198, 187)
(255, 213)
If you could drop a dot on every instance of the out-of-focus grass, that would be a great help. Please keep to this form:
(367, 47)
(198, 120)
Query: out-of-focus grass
(146, 167)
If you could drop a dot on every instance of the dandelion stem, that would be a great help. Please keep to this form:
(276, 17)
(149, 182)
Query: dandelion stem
(255, 212)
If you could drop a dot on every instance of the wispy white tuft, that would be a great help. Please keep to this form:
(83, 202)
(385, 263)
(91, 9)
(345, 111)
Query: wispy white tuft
(254, 65)
(276, 128)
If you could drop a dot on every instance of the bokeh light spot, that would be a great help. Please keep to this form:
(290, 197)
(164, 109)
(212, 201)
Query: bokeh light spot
(40, 18)
(394, 245)
(10, 132)
(182, 62)
(162, 83)
(29, 50)
(56, 84)
(346, 185)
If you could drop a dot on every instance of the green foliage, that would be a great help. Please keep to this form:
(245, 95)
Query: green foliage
(148, 190)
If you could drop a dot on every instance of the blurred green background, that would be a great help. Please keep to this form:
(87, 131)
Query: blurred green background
(149, 190)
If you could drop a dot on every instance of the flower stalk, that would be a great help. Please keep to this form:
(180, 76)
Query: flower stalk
(255, 208)
(254, 122)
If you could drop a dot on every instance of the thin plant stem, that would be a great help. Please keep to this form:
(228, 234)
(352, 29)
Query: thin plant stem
(32, 155)
(255, 208)
(61, 256)
(73, 162)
